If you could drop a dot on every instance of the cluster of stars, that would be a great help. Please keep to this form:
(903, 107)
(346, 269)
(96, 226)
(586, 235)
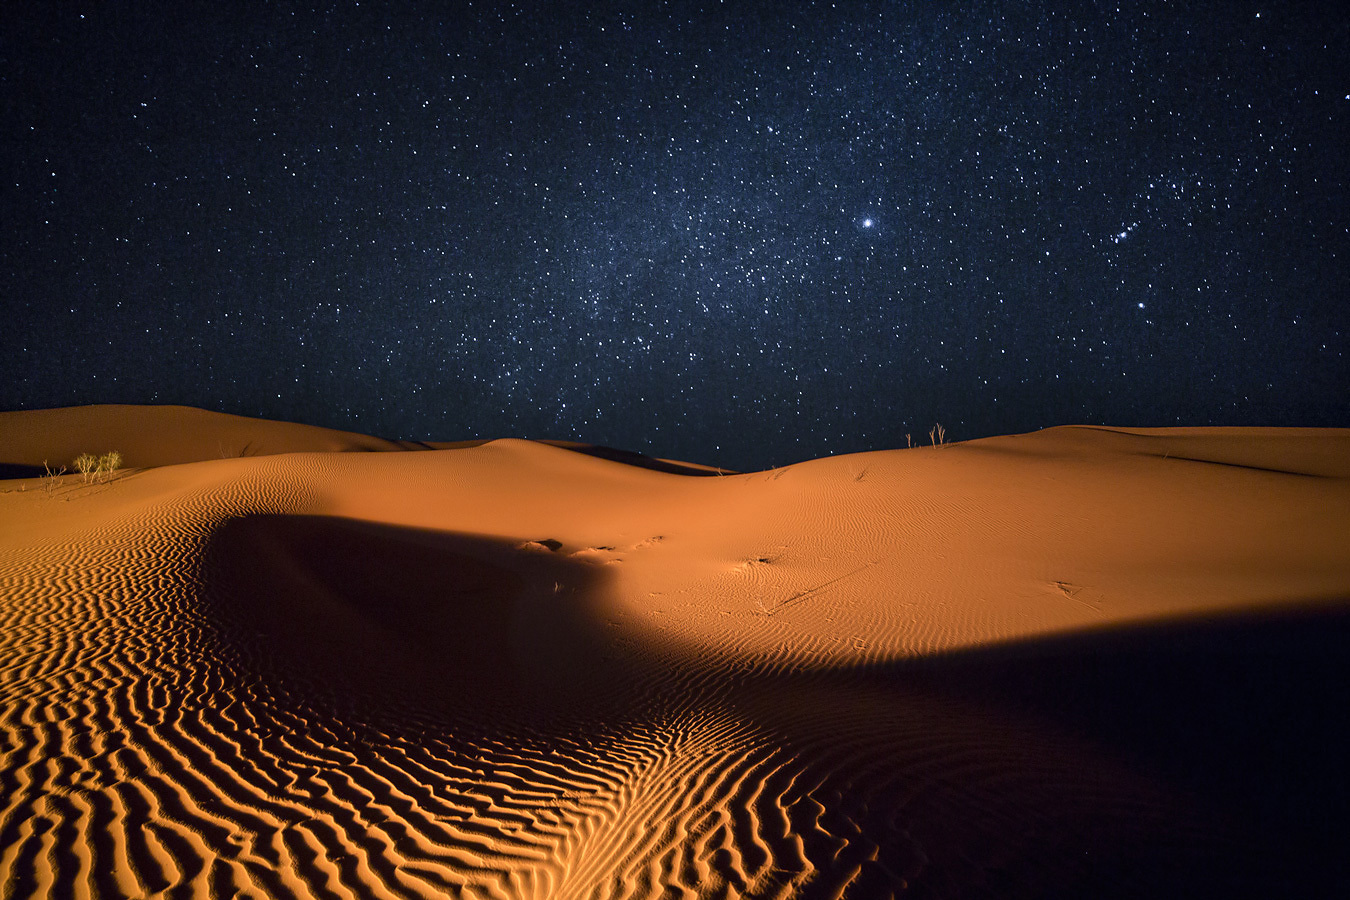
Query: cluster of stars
(742, 235)
(1124, 233)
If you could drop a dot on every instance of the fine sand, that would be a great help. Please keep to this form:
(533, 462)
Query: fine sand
(270, 660)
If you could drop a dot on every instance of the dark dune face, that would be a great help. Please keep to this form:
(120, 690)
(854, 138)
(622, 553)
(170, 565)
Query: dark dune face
(12, 471)
(1237, 715)
(455, 618)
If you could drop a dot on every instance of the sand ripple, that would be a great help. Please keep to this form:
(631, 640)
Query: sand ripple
(217, 689)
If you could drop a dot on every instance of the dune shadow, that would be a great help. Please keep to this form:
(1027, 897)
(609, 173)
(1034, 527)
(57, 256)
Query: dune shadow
(421, 617)
(14, 471)
(599, 451)
(639, 460)
(1200, 758)
(1213, 750)
(1246, 712)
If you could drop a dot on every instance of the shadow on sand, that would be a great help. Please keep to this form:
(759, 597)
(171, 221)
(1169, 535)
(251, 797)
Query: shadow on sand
(1245, 713)
(1204, 758)
(440, 620)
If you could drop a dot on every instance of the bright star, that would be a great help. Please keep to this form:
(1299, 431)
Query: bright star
(867, 223)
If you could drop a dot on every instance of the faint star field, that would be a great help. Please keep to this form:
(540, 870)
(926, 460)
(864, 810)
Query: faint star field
(738, 233)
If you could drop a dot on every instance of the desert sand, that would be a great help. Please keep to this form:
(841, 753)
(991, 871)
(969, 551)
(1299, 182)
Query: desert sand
(269, 660)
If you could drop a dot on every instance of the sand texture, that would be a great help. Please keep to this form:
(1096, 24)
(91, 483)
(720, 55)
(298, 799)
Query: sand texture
(1080, 662)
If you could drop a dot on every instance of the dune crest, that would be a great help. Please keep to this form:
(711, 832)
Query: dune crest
(515, 670)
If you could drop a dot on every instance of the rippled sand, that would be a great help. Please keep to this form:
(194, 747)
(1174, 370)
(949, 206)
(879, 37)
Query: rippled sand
(1070, 663)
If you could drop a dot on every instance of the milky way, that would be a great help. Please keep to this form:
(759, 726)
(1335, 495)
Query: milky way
(738, 233)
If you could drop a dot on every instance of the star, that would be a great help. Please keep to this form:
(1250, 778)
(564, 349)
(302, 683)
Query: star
(867, 223)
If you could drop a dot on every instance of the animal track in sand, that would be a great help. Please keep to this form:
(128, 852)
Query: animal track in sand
(548, 545)
(602, 555)
(1072, 591)
(755, 562)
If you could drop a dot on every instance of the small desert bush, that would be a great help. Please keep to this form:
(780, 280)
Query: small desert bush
(52, 480)
(85, 464)
(937, 435)
(97, 468)
(109, 462)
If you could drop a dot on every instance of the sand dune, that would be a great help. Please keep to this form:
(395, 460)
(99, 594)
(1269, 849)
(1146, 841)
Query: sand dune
(1079, 662)
(163, 435)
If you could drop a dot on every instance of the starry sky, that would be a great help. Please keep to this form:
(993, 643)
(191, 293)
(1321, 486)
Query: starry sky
(738, 233)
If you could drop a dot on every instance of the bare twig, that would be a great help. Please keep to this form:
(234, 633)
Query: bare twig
(53, 478)
(109, 463)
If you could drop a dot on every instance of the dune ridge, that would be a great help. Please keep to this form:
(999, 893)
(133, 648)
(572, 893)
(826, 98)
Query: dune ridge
(33, 440)
(513, 670)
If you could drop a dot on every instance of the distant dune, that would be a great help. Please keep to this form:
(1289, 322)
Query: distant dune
(170, 435)
(266, 661)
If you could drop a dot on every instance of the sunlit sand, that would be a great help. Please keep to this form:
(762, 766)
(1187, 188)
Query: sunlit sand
(264, 659)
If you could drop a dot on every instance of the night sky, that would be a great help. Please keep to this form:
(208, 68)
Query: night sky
(736, 233)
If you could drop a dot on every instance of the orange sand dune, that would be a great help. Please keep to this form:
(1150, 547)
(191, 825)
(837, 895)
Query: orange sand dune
(32, 440)
(162, 436)
(1080, 662)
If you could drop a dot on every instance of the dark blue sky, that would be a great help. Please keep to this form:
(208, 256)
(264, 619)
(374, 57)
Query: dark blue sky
(737, 233)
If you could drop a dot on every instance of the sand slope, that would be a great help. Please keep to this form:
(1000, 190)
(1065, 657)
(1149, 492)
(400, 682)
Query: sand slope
(513, 670)
(162, 436)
